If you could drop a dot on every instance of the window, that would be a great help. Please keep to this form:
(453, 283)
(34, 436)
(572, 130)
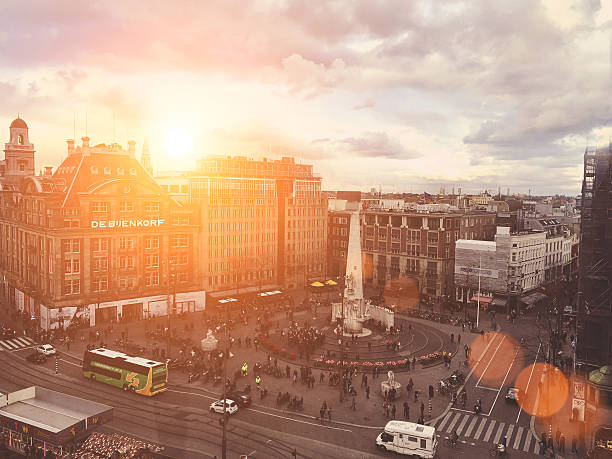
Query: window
(152, 243)
(72, 287)
(152, 278)
(152, 260)
(100, 264)
(99, 245)
(120, 171)
(71, 245)
(100, 284)
(152, 206)
(182, 220)
(98, 206)
(178, 240)
(182, 277)
(107, 170)
(126, 206)
(126, 243)
(126, 262)
(132, 171)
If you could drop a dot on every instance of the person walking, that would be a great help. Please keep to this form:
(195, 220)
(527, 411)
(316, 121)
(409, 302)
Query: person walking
(543, 444)
(562, 443)
(354, 403)
(367, 391)
(459, 339)
(422, 409)
(329, 414)
(393, 411)
(322, 415)
(406, 411)
(321, 378)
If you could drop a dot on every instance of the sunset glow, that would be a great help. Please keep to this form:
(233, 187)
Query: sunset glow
(178, 142)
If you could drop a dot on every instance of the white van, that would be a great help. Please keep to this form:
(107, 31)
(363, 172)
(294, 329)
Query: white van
(408, 438)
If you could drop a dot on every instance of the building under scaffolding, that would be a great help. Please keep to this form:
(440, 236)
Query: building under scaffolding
(594, 316)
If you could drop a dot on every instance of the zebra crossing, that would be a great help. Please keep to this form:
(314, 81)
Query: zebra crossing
(15, 344)
(487, 430)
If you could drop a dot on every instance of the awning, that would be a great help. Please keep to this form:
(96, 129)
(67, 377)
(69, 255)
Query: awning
(532, 298)
(317, 284)
(272, 293)
(241, 291)
(483, 299)
(331, 282)
(498, 301)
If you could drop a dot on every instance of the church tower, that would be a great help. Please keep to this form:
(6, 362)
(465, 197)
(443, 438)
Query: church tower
(145, 158)
(19, 152)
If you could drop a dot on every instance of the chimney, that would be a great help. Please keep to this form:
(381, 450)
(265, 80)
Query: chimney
(70, 143)
(132, 148)
(85, 141)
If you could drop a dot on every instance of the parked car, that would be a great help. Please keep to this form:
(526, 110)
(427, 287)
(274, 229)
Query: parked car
(46, 350)
(230, 406)
(242, 398)
(36, 357)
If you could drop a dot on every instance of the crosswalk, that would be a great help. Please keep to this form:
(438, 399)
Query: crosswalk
(16, 343)
(488, 430)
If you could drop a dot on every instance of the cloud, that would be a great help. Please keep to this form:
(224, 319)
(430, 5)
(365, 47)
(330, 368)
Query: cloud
(368, 103)
(375, 144)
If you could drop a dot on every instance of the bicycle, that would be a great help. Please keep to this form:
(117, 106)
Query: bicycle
(450, 442)
(498, 450)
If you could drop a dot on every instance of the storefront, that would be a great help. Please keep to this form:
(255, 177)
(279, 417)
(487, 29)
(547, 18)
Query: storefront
(39, 419)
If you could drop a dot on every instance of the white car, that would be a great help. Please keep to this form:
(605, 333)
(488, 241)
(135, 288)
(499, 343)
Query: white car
(230, 406)
(46, 349)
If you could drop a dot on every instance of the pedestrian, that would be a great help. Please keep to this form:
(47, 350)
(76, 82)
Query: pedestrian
(452, 337)
(353, 403)
(562, 443)
(386, 406)
(543, 444)
(406, 411)
(459, 339)
(322, 415)
(321, 378)
(422, 409)
(393, 411)
(329, 414)
(551, 445)
(367, 390)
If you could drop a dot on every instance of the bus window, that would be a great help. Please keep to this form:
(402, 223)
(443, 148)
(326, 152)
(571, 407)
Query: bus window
(423, 443)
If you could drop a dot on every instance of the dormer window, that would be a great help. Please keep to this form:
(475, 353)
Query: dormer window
(94, 170)
(107, 170)
(120, 171)
(132, 171)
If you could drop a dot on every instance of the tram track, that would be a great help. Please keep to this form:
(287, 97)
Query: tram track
(164, 419)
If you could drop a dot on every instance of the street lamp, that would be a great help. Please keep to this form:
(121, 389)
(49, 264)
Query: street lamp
(171, 275)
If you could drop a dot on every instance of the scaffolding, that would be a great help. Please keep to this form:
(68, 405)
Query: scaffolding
(594, 315)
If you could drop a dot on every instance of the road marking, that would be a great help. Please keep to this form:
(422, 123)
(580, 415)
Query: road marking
(8, 345)
(75, 364)
(504, 381)
(480, 429)
(491, 360)
(529, 380)
(462, 425)
(517, 440)
(509, 434)
(487, 388)
(25, 341)
(471, 426)
(489, 431)
(297, 420)
(499, 432)
(453, 422)
(528, 438)
(25, 348)
(445, 420)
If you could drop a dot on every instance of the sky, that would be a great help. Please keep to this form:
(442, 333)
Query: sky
(403, 96)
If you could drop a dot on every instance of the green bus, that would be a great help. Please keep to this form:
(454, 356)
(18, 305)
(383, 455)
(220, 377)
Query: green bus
(134, 374)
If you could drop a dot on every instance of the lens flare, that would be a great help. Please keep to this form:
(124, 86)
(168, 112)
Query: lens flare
(497, 352)
(549, 382)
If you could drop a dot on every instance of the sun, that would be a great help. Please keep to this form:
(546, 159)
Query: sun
(178, 142)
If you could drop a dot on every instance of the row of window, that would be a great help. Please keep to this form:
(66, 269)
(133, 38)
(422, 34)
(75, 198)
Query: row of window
(101, 244)
(108, 171)
(124, 206)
